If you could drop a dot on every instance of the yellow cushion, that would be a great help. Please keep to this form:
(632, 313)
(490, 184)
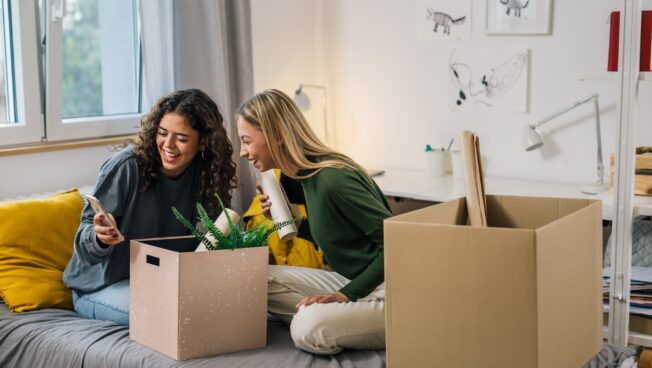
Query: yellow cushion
(36, 243)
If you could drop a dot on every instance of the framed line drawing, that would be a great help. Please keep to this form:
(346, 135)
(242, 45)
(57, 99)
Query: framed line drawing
(488, 79)
(443, 19)
(518, 16)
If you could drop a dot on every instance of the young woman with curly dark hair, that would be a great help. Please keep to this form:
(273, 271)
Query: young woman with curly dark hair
(182, 156)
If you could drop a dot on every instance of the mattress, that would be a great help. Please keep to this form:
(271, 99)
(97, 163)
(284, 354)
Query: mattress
(60, 338)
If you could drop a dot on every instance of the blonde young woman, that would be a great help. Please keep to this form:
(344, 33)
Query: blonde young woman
(327, 311)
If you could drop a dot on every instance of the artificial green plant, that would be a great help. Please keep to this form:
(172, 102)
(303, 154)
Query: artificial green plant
(257, 236)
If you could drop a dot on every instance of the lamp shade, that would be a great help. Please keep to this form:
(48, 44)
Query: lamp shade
(302, 100)
(532, 138)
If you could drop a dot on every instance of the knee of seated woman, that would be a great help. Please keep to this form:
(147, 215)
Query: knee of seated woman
(315, 317)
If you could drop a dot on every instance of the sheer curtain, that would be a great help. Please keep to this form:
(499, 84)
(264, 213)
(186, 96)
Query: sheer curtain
(204, 44)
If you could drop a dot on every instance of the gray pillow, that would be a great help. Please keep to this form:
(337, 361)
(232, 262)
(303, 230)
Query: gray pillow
(641, 244)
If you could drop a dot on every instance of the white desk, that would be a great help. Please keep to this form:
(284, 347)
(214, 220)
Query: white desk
(417, 185)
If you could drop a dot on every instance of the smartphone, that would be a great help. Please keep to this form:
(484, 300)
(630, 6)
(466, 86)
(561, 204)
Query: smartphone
(108, 220)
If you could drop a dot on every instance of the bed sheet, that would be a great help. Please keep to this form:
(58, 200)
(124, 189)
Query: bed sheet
(60, 338)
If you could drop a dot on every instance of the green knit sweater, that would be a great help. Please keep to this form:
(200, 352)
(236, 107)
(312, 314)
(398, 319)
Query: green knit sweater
(346, 210)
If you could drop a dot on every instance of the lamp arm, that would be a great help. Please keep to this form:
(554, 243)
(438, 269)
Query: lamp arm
(599, 138)
(301, 85)
(596, 106)
(565, 110)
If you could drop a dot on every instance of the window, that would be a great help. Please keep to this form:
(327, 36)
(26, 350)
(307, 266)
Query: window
(20, 98)
(89, 81)
(92, 69)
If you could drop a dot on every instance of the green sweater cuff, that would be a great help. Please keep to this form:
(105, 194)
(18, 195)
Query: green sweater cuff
(366, 282)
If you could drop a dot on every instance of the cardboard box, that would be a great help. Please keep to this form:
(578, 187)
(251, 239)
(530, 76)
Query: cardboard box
(523, 292)
(188, 304)
(642, 183)
(637, 323)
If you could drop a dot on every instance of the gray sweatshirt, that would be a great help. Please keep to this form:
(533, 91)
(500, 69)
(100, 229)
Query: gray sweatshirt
(138, 214)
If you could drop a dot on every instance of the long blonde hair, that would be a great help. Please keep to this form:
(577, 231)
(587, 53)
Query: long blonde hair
(292, 143)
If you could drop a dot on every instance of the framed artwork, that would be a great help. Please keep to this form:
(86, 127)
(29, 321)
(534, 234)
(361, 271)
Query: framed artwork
(518, 16)
(488, 79)
(443, 19)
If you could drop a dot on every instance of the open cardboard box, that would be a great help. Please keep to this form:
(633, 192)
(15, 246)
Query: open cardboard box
(523, 292)
(188, 304)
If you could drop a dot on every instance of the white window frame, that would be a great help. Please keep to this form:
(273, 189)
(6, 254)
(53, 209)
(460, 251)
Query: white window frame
(58, 129)
(28, 127)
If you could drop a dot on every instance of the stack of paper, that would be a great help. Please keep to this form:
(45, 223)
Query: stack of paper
(474, 180)
(640, 301)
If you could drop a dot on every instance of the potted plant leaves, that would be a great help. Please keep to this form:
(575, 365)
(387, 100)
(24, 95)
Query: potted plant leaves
(237, 237)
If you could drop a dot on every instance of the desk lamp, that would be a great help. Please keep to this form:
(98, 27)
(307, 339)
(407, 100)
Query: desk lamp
(533, 140)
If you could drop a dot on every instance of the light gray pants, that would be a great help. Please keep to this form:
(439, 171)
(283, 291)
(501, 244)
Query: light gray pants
(325, 328)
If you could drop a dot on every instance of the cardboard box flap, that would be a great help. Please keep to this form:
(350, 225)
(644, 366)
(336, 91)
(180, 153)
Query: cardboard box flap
(530, 212)
(448, 213)
(515, 212)
(569, 286)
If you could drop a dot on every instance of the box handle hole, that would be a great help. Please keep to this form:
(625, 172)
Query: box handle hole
(153, 260)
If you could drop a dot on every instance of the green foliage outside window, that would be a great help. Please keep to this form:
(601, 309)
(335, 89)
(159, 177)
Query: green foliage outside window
(82, 65)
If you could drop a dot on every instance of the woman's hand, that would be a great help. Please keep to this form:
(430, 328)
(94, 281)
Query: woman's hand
(336, 297)
(106, 235)
(267, 205)
(264, 202)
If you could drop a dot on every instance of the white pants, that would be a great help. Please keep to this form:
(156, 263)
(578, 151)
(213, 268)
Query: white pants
(325, 328)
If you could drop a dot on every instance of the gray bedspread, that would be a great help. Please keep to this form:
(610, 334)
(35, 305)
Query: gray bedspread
(59, 338)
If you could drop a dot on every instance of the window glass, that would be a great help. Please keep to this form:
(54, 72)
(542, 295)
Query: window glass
(101, 58)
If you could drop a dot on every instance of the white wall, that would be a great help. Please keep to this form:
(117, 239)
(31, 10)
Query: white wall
(283, 33)
(50, 171)
(287, 49)
(388, 89)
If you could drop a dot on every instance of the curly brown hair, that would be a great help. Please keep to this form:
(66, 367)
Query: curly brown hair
(217, 169)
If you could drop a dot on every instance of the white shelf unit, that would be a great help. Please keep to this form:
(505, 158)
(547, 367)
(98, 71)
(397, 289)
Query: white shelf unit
(628, 79)
(612, 76)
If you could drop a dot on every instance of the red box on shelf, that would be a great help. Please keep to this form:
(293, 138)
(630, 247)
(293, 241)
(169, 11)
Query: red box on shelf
(645, 60)
(646, 41)
(614, 33)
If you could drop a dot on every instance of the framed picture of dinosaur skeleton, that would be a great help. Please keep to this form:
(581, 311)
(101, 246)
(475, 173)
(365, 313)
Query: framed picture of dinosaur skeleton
(518, 16)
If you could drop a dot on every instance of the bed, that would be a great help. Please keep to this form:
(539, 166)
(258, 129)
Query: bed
(60, 338)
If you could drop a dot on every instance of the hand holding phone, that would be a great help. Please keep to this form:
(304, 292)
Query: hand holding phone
(108, 220)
